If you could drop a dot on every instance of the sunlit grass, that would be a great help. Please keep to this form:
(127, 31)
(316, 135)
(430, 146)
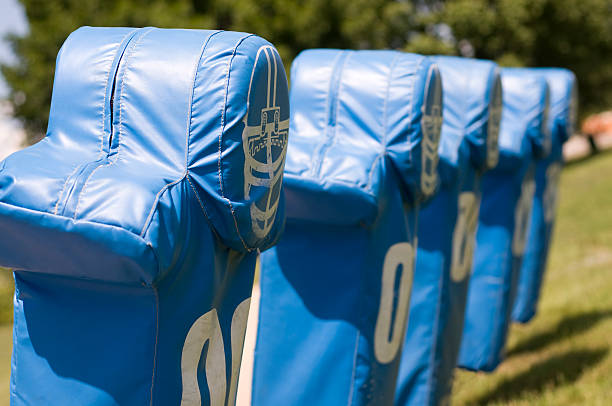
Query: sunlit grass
(563, 357)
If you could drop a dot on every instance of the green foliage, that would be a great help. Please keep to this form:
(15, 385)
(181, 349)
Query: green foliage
(50, 22)
(292, 25)
(576, 35)
(567, 33)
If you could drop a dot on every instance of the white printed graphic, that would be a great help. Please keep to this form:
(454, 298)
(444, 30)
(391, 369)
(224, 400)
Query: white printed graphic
(549, 200)
(265, 147)
(207, 329)
(388, 333)
(522, 215)
(464, 236)
(495, 113)
(432, 125)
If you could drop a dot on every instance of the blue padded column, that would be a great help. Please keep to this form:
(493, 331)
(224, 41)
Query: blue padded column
(507, 196)
(561, 121)
(136, 222)
(335, 292)
(446, 236)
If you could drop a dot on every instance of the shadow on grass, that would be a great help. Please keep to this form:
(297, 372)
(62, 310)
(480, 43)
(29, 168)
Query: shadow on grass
(567, 327)
(552, 372)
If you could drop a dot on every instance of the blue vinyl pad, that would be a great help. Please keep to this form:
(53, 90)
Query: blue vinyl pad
(507, 196)
(561, 121)
(447, 227)
(335, 290)
(134, 224)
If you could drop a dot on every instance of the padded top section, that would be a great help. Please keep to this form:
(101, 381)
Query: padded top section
(355, 116)
(523, 131)
(136, 111)
(472, 109)
(563, 108)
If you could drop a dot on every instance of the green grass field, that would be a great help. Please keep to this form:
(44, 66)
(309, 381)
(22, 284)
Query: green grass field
(563, 357)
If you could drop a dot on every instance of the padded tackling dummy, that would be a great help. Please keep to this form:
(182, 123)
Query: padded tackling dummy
(561, 121)
(468, 147)
(134, 225)
(335, 293)
(507, 196)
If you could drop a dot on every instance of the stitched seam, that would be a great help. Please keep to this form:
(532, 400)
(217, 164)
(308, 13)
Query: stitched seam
(351, 389)
(384, 124)
(220, 172)
(434, 348)
(38, 212)
(111, 72)
(206, 216)
(412, 107)
(329, 141)
(64, 188)
(327, 116)
(360, 305)
(119, 125)
(156, 202)
(156, 341)
(195, 76)
(108, 79)
(189, 121)
(17, 324)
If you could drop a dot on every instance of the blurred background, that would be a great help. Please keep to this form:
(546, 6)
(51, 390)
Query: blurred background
(563, 356)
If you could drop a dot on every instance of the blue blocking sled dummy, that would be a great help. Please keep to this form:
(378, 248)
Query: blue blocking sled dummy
(335, 293)
(561, 119)
(507, 196)
(134, 224)
(447, 225)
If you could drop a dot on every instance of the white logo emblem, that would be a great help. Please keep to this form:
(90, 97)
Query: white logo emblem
(431, 124)
(522, 216)
(265, 145)
(208, 329)
(464, 236)
(391, 325)
(495, 112)
(549, 200)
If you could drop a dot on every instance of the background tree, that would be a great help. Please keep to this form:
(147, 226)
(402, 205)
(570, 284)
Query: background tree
(567, 33)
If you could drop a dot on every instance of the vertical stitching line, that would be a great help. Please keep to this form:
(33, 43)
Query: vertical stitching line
(106, 91)
(327, 115)
(434, 347)
(156, 341)
(108, 79)
(156, 201)
(16, 328)
(412, 107)
(219, 162)
(329, 141)
(360, 305)
(119, 125)
(189, 121)
(195, 76)
(384, 123)
(197, 195)
(351, 389)
(64, 188)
